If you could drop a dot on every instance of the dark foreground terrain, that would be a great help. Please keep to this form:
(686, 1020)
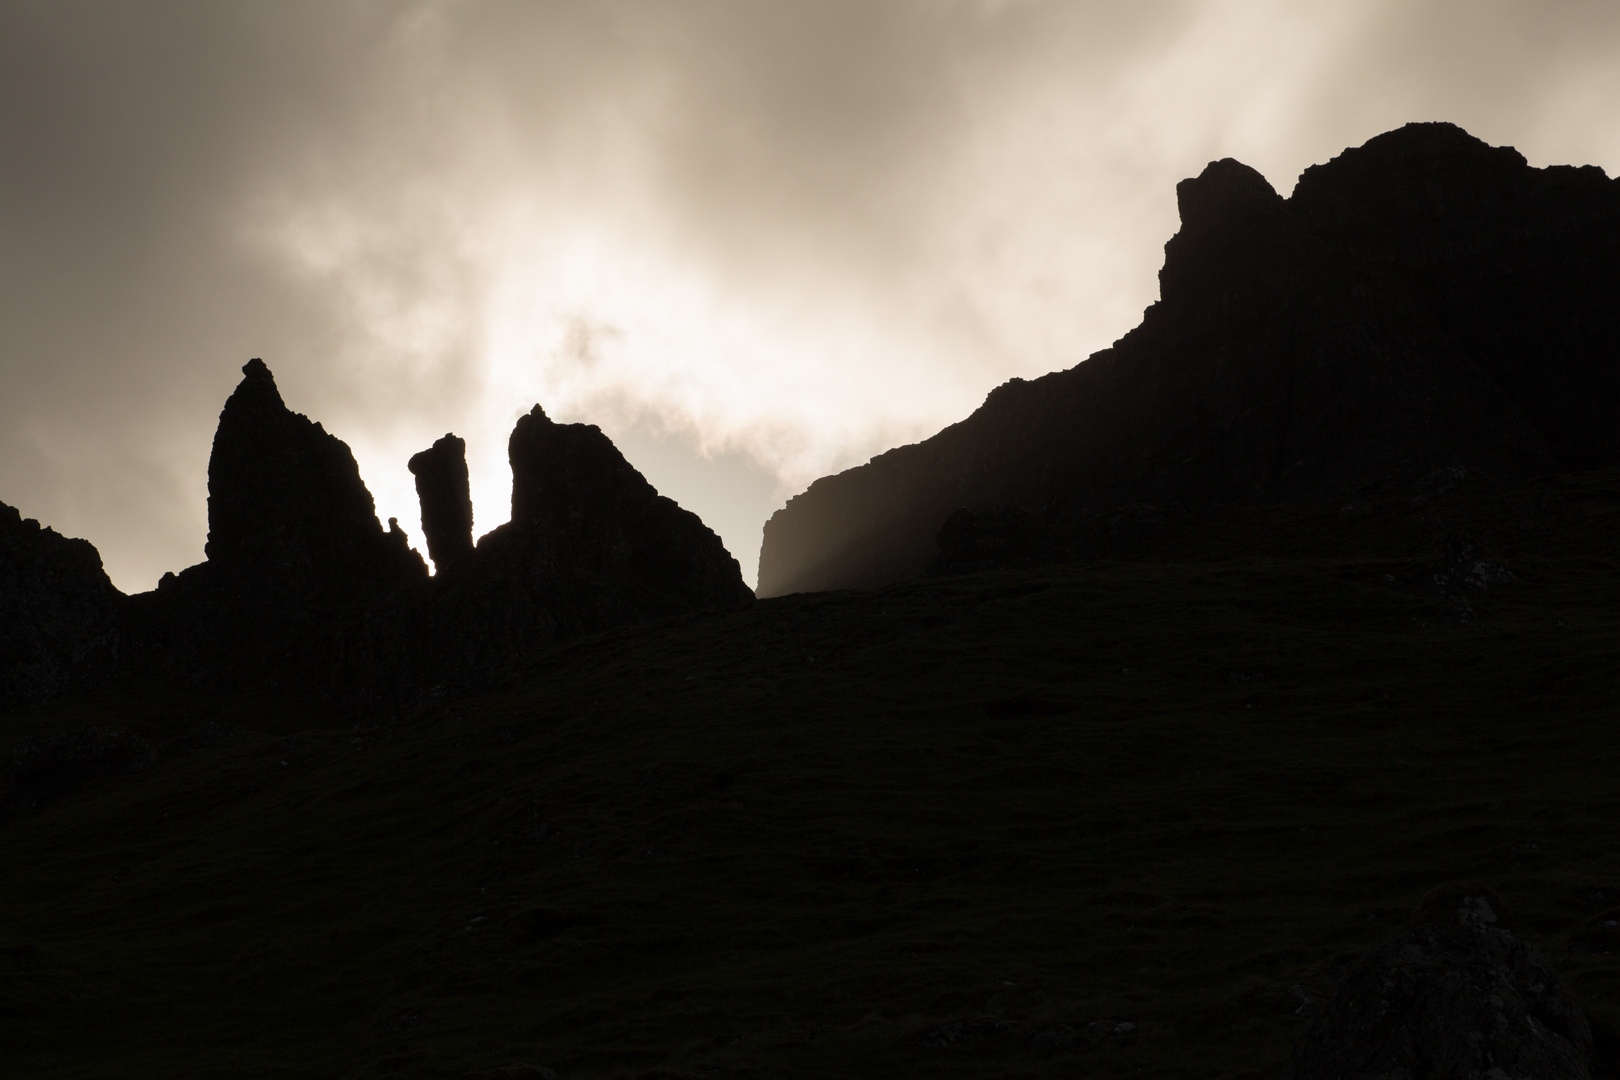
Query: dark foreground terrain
(1115, 817)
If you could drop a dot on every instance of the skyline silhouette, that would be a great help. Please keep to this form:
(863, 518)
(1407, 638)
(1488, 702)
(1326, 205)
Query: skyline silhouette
(756, 245)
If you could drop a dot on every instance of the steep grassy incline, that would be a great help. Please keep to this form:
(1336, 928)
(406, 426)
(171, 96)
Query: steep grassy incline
(1121, 818)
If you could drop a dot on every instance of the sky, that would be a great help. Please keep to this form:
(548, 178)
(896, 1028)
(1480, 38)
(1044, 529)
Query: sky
(755, 242)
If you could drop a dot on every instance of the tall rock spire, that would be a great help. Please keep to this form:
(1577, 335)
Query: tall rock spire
(286, 506)
(443, 488)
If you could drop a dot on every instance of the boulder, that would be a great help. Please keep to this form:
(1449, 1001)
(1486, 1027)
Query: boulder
(1463, 903)
(1469, 1002)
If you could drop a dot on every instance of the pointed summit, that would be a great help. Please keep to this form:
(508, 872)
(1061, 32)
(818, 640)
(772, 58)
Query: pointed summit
(256, 392)
(257, 371)
(286, 505)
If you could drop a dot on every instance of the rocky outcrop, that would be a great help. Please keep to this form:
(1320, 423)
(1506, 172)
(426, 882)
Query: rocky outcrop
(445, 493)
(1456, 996)
(304, 592)
(295, 556)
(1422, 302)
(58, 612)
(288, 515)
(1448, 1000)
(584, 520)
(590, 546)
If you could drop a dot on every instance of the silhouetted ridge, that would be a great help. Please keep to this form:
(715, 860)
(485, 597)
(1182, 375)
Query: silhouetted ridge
(1425, 301)
(445, 492)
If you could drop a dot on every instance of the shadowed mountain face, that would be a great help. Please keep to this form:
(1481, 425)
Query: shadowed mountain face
(1423, 301)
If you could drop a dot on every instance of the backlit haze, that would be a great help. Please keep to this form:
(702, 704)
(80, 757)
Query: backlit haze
(754, 242)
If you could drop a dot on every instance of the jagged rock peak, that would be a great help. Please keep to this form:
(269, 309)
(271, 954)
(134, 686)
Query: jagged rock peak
(304, 592)
(257, 377)
(445, 492)
(578, 504)
(256, 396)
(286, 505)
(1237, 247)
(560, 471)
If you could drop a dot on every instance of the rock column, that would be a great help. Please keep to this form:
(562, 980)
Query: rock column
(446, 497)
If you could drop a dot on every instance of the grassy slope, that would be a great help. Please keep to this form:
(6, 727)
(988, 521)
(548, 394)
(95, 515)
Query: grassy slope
(796, 840)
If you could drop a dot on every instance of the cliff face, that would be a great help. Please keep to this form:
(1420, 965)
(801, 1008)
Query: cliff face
(1423, 301)
(58, 612)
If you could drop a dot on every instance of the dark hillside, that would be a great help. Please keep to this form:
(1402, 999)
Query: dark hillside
(1122, 817)
(1424, 301)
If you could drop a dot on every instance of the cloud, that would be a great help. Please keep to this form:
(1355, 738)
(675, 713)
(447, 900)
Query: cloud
(755, 242)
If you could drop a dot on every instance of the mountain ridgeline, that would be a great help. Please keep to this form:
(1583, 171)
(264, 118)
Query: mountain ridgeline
(1421, 302)
(1209, 774)
(305, 592)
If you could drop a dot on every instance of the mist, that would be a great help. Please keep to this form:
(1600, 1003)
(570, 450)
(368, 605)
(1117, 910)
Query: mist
(755, 243)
